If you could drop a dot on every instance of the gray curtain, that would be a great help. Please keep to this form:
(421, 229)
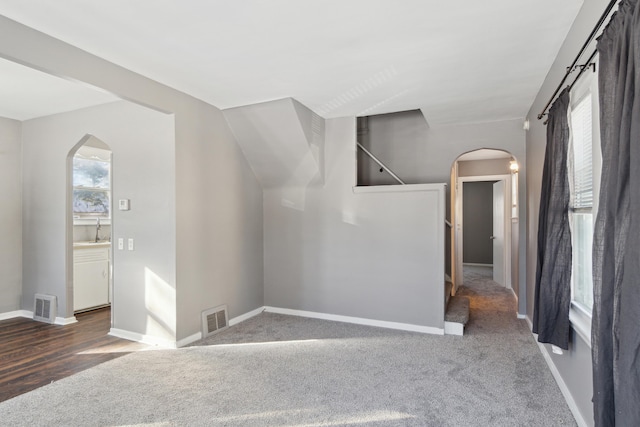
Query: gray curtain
(616, 248)
(553, 274)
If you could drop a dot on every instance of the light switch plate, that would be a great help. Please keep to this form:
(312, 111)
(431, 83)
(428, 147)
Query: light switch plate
(130, 244)
(120, 243)
(123, 204)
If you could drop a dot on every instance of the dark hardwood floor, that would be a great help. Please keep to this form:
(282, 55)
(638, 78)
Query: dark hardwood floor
(33, 354)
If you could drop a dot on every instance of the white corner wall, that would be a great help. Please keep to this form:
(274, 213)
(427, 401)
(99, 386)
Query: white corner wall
(368, 255)
(10, 216)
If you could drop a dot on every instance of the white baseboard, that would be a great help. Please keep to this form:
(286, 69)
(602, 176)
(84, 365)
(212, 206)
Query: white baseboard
(29, 315)
(188, 340)
(530, 323)
(357, 320)
(563, 387)
(453, 328)
(146, 339)
(568, 397)
(65, 320)
(142, 338)
(193, 337)
(245, 316)
(518, 315)
(16, 313)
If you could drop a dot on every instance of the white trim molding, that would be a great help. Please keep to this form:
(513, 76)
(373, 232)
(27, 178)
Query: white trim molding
(29, 315)
(398, 188)
(573, 406)
(198, 335)
(245, 316)
(16, 313)
(357, 320)
(568, 397)
(142, 338)
(453, 328)
(65, 320)
(581, 323)
(188, 340)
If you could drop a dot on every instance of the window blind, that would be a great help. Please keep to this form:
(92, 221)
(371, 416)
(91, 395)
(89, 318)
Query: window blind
(581, 130)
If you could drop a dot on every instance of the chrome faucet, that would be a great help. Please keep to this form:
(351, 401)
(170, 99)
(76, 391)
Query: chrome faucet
(98, 227)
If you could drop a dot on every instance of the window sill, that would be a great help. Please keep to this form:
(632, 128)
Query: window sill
(91, 221)
(393, 188)
(581, 322)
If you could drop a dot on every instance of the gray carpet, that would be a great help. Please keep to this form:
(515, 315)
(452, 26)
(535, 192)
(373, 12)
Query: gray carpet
(288, 371)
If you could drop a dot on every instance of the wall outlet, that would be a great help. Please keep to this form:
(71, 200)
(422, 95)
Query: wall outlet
(120, 243)
(130, 244)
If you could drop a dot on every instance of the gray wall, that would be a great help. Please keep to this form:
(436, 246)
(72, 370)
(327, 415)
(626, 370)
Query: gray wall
(219, 222)
(142, 142)
(574, 366)
(421, 154)
(477, 222)
(373, 255)
(396, 139)
(10, 216)
(484, 167)
(215, 255)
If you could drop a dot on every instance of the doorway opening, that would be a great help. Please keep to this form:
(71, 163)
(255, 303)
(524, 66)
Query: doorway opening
(485, 218)
(89, 223)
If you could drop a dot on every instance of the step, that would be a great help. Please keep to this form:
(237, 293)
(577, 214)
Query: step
(456, 316)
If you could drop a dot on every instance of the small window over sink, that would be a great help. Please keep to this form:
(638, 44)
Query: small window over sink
(92, 183)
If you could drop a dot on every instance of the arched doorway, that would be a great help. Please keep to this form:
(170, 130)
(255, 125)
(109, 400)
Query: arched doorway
(89, 222)
(489, 180)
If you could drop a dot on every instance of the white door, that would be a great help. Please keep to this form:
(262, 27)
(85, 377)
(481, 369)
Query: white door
(498, 233)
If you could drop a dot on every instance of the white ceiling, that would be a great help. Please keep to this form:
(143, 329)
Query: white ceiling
(459, 62)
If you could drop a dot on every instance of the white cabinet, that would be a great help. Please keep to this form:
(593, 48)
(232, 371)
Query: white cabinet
(90, 276)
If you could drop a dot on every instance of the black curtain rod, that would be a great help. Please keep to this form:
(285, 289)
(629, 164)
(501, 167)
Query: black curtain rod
(585, 68)
(570, 69)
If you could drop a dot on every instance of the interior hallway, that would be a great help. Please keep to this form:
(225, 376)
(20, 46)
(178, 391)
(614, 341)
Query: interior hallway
(491, 306)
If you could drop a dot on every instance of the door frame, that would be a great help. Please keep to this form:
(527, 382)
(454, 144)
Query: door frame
(458, 224)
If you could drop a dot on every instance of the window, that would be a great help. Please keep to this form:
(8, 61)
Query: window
(91, 183)
(581, 208)
(584, 177)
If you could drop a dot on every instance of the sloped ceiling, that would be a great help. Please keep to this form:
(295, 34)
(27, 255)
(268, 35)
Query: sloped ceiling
(282, 140)
(459, 62)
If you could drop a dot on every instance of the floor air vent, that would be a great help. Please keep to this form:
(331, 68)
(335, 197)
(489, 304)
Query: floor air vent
(44, 308)
(214, 320)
